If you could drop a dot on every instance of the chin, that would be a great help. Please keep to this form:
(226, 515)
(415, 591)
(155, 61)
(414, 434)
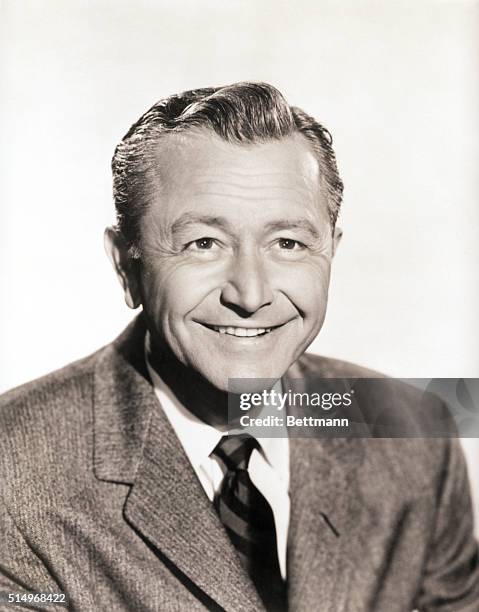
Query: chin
(246, 378)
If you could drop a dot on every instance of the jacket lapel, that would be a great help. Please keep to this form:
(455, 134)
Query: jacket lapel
(135, 444)
(324, 504)
(325, 508)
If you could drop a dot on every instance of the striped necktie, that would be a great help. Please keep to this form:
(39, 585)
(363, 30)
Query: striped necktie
(249, 521)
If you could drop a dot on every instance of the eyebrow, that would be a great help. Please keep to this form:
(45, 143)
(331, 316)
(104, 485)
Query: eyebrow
(188, 219)
(194, 219)
(292, 224)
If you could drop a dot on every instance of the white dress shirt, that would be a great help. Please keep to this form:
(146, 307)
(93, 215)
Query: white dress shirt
(268, 468)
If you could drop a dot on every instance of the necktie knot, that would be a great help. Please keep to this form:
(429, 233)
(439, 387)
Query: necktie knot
(235, 451)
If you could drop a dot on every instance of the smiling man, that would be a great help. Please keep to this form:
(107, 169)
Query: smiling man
(122, 489)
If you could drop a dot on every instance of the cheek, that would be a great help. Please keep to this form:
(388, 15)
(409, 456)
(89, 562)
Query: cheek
(307, 287)
(173, 290)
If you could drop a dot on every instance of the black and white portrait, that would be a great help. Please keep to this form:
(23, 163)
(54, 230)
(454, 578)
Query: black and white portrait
(209, 208)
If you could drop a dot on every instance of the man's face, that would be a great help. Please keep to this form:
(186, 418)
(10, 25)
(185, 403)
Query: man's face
(236, 251)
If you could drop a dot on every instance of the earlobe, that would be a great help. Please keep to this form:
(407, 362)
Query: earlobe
(337, 235)
(117, 251)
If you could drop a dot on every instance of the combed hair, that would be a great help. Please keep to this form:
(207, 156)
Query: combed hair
(239, 113)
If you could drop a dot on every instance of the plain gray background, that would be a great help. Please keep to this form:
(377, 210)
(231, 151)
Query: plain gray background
(395, 82)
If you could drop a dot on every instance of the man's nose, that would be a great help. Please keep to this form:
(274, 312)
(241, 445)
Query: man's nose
(247, 288)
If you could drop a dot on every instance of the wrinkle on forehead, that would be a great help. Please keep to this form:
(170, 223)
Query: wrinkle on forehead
(215, 160)
(242, 185)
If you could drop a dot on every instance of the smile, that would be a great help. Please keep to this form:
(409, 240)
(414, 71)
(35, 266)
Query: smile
(241, 332)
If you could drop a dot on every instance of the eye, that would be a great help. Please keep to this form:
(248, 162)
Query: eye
(289, 244)
(202, 244)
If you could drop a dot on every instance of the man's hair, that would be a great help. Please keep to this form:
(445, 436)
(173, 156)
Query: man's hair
(240, 113)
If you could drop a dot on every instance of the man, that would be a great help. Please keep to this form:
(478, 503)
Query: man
(120, 486)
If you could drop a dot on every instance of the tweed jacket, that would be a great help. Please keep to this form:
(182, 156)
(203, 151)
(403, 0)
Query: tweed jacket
(99, 501)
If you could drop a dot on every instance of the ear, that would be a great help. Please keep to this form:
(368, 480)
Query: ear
(337, 235)
(124, 265)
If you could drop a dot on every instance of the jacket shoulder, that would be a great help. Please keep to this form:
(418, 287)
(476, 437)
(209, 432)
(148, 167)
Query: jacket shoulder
(66, 383)
(44, 427)
(409, 432)
(390, 407)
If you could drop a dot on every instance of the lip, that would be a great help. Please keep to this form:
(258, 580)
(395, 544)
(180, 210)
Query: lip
(273, 328)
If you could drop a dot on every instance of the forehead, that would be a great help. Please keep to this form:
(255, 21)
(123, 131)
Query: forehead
(199, 170)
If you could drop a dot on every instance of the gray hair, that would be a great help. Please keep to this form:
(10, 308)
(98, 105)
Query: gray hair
(238, 113)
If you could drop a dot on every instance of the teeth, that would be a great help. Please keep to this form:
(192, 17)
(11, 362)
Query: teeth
(241, 331)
